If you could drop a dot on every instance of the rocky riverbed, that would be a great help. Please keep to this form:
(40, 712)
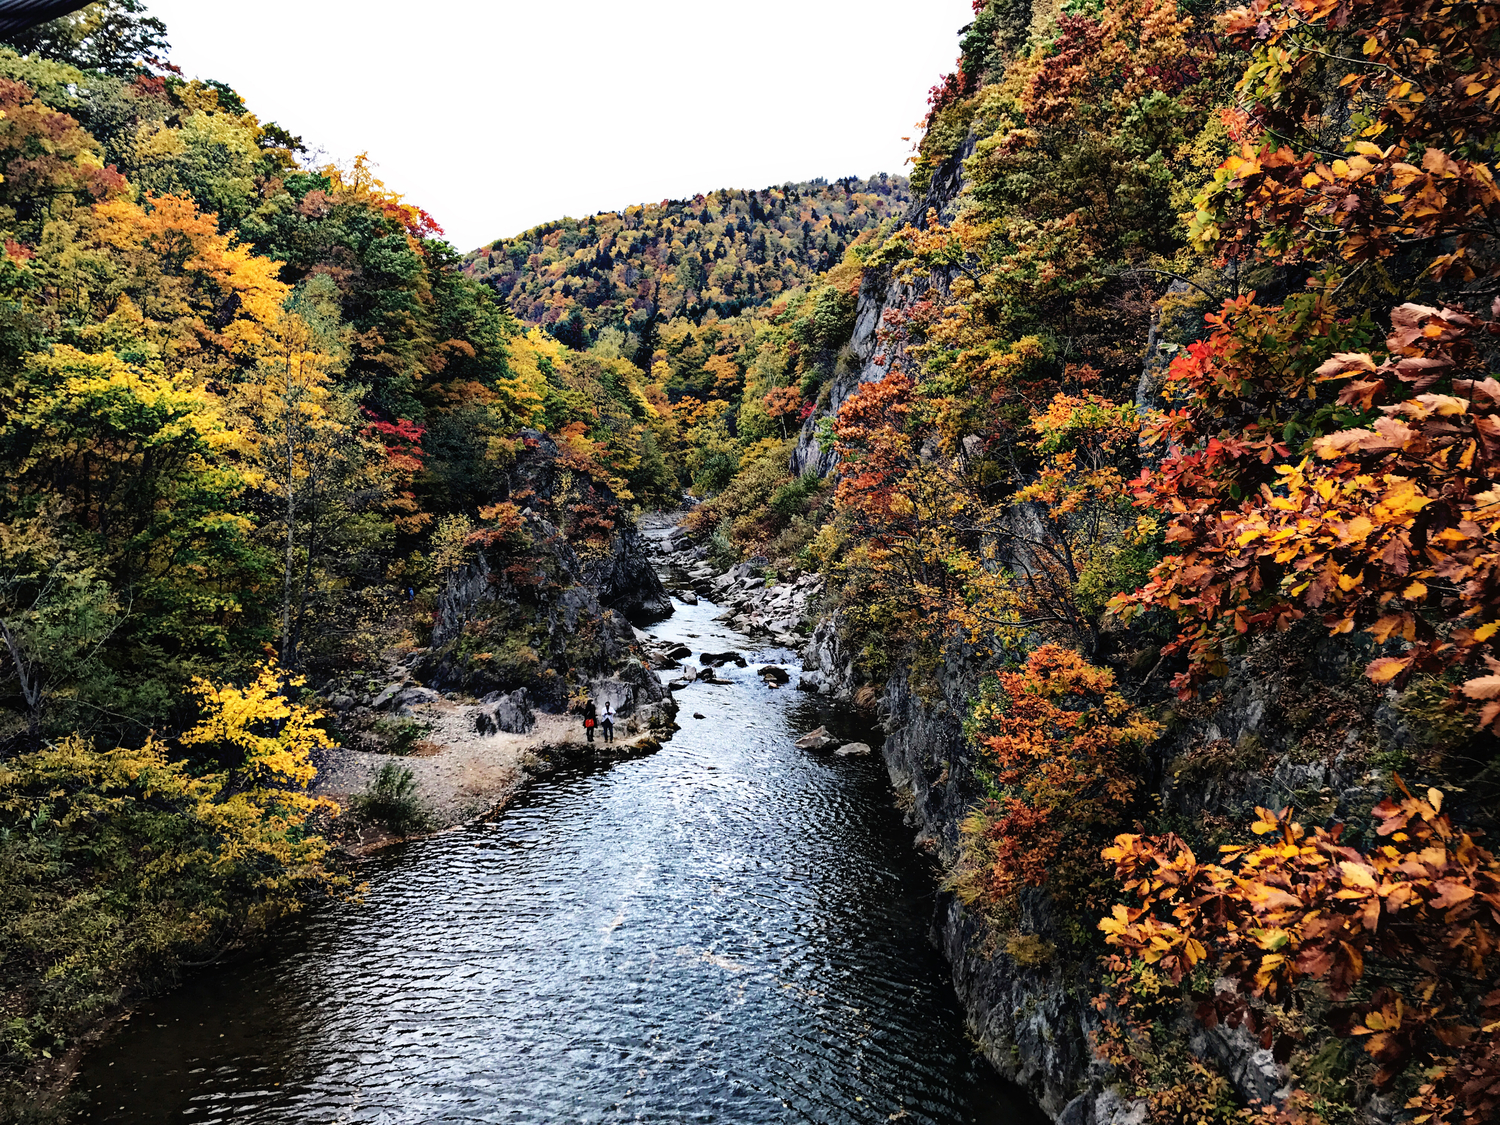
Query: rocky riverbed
(788, 609)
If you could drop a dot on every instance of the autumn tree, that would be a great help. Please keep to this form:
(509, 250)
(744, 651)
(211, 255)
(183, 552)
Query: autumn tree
(127, 473)
(305, 448)
(1060, 750)
(1400, 936)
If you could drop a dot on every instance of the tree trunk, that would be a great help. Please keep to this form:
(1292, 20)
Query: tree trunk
(31, 687)
(288, 649)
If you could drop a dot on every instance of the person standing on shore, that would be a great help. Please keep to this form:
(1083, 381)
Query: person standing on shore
(590, 717)
(608, 722)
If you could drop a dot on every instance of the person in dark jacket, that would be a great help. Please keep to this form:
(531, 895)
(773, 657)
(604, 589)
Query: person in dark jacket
(590, 718)
(607, 722)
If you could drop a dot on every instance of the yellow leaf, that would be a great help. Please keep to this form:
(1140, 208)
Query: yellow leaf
(1387, 668)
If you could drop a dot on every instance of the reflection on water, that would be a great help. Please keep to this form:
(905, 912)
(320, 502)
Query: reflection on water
(730, 930)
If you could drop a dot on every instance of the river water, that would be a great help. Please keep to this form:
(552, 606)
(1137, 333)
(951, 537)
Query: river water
(730, 930)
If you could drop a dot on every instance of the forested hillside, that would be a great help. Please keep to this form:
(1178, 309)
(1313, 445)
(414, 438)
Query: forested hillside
(253, 418)
(1162, 447)
(709, 257)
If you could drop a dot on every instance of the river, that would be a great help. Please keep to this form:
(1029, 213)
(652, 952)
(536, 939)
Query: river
(730, 930)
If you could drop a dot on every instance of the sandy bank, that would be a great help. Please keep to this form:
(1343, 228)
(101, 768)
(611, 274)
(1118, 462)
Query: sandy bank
(462, 775)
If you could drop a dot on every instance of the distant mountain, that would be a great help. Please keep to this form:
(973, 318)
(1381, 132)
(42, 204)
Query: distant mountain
(719, 254)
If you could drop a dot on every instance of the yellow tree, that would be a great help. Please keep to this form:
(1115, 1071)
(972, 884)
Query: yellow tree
(303, 443)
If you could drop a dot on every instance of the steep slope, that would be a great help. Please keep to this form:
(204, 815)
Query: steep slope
(1163, 546)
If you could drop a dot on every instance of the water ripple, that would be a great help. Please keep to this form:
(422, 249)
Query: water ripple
(729, 931)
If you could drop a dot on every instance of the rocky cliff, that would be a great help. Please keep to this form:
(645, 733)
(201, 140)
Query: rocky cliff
(873, 351)
(1288, 722)
(548, 606)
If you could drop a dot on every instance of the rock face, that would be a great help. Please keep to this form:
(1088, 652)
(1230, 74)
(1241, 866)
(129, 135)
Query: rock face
(827, 668)
(1032, 1021)
(550, 601)
(870, 358)
(617, 567)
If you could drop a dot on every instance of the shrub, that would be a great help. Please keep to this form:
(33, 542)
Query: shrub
(1400, 938)
(117, 866)
(391, 800)
(401, 735)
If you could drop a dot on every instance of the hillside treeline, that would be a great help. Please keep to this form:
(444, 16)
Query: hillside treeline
(707, 258)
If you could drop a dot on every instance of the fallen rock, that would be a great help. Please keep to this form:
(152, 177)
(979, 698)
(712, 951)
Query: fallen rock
(679, 652)
(697, 715)
(412, 698)
(774, 674)
(512, 714)
(853, 750)
(819, 739)
(687, 597)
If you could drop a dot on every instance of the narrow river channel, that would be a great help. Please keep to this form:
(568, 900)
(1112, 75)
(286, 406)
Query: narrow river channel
(730, 930)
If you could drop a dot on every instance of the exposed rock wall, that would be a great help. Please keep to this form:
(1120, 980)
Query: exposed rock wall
(548, 610)
(870, 355)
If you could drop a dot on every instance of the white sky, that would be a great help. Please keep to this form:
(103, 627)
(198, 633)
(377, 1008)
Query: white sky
(498, 116)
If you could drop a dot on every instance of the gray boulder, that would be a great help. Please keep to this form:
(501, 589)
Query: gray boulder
(411, 698)
(819, 739)
(511, 714)
(853, 750)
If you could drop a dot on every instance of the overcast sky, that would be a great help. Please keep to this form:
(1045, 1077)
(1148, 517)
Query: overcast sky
(498, 116)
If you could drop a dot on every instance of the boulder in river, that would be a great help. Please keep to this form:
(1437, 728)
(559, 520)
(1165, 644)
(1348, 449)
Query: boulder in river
(819, 739)
(853, 750)
(679, 652)
(687, 597)
(719, 659)
(772, 673)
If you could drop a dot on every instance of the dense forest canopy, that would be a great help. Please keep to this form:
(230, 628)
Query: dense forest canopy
(709, 257)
